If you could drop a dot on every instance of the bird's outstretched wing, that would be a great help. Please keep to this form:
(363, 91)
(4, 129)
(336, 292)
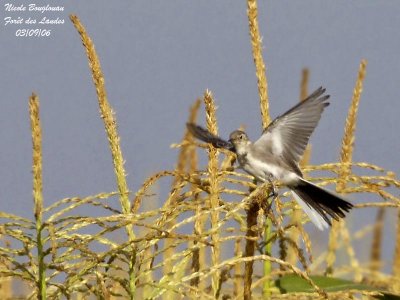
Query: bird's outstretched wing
(288, 135)
(206, 136)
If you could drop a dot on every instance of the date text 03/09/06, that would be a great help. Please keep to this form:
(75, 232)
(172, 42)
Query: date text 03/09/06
(30, 21)
(33, 32)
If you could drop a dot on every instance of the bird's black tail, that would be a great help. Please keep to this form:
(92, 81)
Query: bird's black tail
(319, 203)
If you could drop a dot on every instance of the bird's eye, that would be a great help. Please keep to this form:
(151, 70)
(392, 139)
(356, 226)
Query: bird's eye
(241, 136)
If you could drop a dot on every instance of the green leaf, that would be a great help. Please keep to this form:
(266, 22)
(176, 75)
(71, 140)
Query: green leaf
(293, 283)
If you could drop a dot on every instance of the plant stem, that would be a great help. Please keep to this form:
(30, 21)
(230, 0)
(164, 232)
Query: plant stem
(42, 266)
(267, 263)
(251, 234)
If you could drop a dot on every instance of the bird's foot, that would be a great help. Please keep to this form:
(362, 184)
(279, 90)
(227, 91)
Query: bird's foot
(274, 190)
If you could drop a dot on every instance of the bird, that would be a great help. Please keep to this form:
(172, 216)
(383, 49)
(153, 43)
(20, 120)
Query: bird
(276, 155)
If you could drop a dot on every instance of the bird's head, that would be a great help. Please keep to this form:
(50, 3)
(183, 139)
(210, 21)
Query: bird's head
(239, 139)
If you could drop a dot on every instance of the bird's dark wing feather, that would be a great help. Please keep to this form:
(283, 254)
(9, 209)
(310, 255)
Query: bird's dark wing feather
(287, 136)
(206, 136)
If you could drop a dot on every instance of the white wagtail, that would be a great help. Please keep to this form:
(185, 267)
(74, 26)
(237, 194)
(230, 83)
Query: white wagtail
(276, 155)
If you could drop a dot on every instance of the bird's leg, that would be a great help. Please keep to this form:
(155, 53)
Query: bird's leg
(274, 192)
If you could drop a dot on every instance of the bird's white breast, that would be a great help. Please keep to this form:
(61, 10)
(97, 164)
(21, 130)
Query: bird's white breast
(262, 169)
